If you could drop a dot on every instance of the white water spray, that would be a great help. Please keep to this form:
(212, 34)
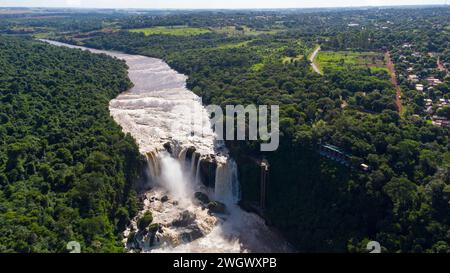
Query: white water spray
(174, 178)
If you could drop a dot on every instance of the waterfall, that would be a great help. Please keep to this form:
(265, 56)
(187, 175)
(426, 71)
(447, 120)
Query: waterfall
(227, 187)
(175, 174)
(193, 167)
(173, 177)
(197, 171)
(182, 155)
(153, 165)
(182, 159)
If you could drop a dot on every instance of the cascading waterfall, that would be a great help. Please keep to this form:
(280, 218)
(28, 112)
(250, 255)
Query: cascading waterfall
(153, 164)
(173, 177)
(158, 113)
(197, 171)
(193, 166)
(226, 187)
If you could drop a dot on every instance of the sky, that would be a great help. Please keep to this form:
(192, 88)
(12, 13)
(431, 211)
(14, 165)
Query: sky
(211, 4)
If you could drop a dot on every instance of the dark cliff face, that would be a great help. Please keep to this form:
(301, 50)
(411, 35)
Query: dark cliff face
(305, 197)
(207, 171)
(191, 154)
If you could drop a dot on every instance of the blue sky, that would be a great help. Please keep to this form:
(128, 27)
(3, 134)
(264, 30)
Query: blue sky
(194, 4)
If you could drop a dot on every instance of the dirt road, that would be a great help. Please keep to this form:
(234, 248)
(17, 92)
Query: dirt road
(398, 91)
(312, 58)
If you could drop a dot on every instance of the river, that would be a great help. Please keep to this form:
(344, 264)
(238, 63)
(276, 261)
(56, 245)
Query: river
(172, 129)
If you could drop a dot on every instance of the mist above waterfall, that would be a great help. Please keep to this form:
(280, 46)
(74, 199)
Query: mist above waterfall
(174, 178)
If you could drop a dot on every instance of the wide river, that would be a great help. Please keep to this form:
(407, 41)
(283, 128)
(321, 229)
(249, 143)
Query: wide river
(159, 109)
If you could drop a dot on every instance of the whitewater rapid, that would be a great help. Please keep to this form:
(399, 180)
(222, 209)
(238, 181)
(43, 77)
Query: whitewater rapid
(159, 110)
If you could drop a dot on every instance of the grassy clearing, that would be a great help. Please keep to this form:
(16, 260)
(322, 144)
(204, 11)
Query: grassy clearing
(286, 59)
(171, 30)
(232, 45)
(300, 48)
(337, 60)
(257, 67)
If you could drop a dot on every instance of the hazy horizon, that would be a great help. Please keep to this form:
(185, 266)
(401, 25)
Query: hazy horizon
(213, 4)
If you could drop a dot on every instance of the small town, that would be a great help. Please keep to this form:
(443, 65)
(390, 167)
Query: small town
(427, 75)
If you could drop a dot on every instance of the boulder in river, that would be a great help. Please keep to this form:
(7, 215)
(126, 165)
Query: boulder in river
(190, 153)
(168, 147)
(184, 219)
(207, 171)
(202, 197)
(216, 207)
(153, 228)
(191, 234)
(145, 220)
(165, 198)
(131, 240)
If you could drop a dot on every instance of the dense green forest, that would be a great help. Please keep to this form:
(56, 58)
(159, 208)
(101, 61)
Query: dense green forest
(250, 57)
(66, 169)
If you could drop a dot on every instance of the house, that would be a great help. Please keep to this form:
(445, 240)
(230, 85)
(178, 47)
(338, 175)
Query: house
(419, 87)
(407, 45)
(413, 78)
(443, 102)
(364, 167)
(440, 121)
(428, 102)
(433, 81)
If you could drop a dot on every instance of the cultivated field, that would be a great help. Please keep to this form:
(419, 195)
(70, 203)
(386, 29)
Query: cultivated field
(337, 60)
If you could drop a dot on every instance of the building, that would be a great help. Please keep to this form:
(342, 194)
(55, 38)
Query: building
(440, 121)
(413, 78)
(443, 102)
(407, 45)
(419, 87)
(334, 153)
(433, 81)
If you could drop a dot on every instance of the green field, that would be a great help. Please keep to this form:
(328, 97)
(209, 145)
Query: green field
(232, 45)
(244, 31)
(171, 30)
(337, 60)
